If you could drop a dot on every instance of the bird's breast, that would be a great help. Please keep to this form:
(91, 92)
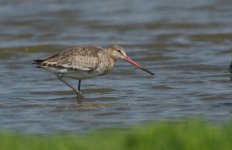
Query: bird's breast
(106, 65)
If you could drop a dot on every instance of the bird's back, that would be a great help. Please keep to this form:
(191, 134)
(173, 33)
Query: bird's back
(77, 58)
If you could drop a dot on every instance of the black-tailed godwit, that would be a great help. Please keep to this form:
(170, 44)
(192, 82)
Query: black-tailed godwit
(84, 62)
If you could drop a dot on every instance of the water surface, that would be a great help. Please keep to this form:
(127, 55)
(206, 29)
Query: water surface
(187, 44)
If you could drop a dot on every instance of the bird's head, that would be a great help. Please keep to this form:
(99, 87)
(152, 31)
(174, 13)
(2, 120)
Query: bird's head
(118, 52)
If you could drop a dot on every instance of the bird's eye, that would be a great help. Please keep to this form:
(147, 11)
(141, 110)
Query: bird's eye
(119, 51)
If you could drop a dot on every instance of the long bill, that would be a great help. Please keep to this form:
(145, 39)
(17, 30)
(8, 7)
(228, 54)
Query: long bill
(137, 65)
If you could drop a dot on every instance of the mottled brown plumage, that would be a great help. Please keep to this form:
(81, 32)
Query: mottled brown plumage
(77, 58)
(84, 62)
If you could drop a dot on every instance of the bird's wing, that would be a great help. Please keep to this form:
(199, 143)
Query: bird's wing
(78, 58)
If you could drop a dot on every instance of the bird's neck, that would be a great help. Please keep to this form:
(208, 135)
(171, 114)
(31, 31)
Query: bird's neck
(109, 59)
(111, 62)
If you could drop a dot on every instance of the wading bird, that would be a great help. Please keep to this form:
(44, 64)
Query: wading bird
(84, 62)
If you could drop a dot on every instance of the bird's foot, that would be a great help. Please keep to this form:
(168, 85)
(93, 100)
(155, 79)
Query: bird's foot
(79, 97)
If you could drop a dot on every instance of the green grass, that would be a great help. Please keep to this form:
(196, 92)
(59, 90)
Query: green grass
(192, 135)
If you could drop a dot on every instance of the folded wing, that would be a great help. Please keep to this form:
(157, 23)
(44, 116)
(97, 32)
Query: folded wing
(79, 58)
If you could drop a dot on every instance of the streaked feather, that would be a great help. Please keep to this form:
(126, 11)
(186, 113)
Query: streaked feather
(79, 58)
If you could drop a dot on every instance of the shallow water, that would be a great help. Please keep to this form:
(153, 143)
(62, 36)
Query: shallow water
(187, 44)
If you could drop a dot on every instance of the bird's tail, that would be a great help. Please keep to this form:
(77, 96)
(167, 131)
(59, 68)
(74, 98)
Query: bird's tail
(38, 61)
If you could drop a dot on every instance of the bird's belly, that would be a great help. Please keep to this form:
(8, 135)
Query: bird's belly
(80, 75)
(75, 74)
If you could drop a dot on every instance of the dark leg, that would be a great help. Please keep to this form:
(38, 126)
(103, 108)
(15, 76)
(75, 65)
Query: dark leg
(79, 95)
(79, 85)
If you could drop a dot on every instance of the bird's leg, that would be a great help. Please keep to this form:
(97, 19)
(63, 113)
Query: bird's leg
(79, 85)
(79, 95)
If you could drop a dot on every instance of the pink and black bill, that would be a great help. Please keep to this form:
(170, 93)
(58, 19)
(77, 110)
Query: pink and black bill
(137, 65)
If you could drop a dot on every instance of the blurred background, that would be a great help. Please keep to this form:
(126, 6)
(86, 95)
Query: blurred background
(187, 43)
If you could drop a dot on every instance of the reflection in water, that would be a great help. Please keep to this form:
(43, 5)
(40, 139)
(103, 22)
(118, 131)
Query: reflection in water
(87, 106)
(186, 43)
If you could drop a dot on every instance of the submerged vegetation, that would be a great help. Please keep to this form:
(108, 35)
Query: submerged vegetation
(192, 135)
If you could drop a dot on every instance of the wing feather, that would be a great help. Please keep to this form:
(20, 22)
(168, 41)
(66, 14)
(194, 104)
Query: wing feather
(78, 58)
